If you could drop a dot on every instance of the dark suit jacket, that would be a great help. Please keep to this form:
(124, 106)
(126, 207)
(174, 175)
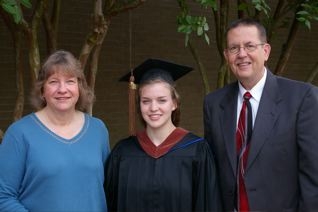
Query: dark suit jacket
(282, 166)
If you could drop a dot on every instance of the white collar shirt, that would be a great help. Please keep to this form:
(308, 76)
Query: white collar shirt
(256, 93)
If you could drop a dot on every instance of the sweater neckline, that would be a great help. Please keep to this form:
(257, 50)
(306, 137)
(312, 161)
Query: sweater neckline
(60, 138)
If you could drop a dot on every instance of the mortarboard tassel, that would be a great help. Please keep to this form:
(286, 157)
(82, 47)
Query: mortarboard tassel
(132, 105)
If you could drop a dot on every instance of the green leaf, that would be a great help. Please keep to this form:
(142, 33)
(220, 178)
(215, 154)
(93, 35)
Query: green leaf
(308, 25)
(180, 28)
(199, 31)
(186, 40)
(9, 8)
(17, 17)
(261, 5)
(302, 13)
(206, 27)
(301, 19)
(258, 7)
(185, 29)
(26, 3)
(9, 2)
(188, 19)
(13, 7)
(208, 3)
(207, 39)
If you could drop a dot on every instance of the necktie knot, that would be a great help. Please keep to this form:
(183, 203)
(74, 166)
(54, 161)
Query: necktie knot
(247, 96)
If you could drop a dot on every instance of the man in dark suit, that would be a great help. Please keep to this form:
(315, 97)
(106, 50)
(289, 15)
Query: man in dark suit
(279, 171)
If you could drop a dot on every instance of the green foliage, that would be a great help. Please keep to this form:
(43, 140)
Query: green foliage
(259, 5)
(13, 8)
(188, 24)
(208, 4)
(307, 13)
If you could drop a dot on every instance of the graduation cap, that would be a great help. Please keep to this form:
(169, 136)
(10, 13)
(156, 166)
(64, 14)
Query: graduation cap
(150, 69)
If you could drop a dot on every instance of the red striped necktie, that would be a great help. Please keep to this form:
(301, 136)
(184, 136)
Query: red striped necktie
(243, 136)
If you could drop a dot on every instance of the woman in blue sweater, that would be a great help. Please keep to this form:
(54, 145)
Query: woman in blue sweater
(53, 159)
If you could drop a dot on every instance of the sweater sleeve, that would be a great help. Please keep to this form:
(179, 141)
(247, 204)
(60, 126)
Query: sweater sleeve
(12, 159)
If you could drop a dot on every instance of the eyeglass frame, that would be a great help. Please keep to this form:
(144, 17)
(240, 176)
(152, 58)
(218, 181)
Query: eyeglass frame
(245, 47)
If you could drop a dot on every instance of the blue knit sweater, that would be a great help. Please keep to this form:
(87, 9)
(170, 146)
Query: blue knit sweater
(41, 171)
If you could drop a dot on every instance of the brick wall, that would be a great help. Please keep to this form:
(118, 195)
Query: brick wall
(154, 34)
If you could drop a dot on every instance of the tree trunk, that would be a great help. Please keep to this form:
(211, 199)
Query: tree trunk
(287, 48)
(201, 66)
(17, 35)
(19, 104)
(313, 73)
(221, 19)
(92, 46)
(1, 135)
(51, 25)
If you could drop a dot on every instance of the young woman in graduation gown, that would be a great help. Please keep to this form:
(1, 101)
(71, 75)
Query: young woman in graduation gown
(164, 167)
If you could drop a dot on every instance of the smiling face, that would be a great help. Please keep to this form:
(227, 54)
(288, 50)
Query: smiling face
(61, 92)
(157, 104)
(62, 64)
(247, 66)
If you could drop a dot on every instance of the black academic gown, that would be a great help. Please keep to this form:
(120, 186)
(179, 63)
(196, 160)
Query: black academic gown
(182, 180)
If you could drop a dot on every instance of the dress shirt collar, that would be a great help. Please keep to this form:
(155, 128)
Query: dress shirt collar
(257, 90)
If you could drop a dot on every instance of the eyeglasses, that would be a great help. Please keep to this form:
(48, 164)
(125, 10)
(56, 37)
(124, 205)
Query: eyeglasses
(248, 47)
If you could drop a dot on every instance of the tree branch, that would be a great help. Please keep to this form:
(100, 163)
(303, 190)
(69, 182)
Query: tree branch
(200, 65)
(313, 73)
(1, 135)
(276, 17)
(51, 25)
(287, 48)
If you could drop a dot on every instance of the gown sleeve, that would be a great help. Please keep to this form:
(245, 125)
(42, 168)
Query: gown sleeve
(206, 186)
(12, 159)
(110, 185)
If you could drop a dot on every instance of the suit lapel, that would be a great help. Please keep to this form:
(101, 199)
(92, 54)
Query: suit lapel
(266, 117)
(228, 123)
